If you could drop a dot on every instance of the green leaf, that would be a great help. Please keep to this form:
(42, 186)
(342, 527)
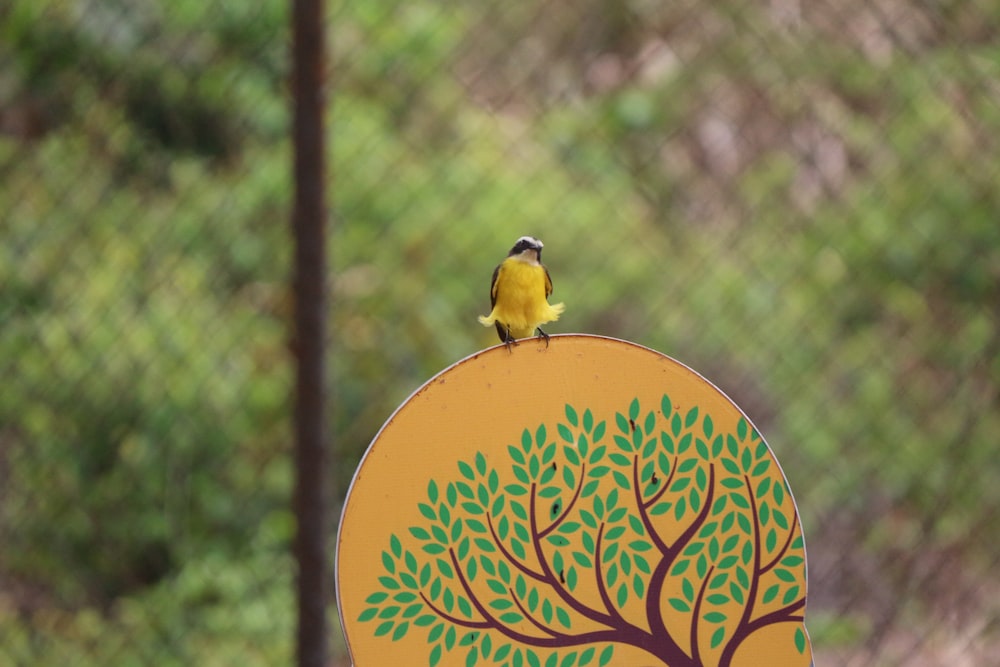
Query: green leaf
(571, 415)
(389, 582)
(614, 533)
(779, 494)
(717, 637)
(784, 575)
(612, 575)
(427, 511)
(435, 656)
(472, 657)
(590, 487)
(466, 471)
(569, 477)
(368, 614)
(764, 513)
(597, 454)
(800, 640)
(384, 628)
(680, 508)
(571, 578)
(572, 456)
(770, 594)
(790, 595)
(569, 527)
(400, 631)
(501, 653)
(746, 460)
(771, 541)
(511, 617)
(701, 447)
(736, 592)
(599, 430)
(688, 590)
(679, 605)
(606, 655)
(617, 515)
(791, 561)
(622, 596)
(623, 424)
(516, 455)
(639, 586)
(731, 466)
(718, 598)
(633, 409)
(761, 467)
(714, 617)
(522, 474)
(691, 417)
(540, 436)
(388, 563)
(588, 420)
(680, 567)
(741, 428)
(563, 617)
(761, 450)
(660, 508)
(420, 533)
(687, 465)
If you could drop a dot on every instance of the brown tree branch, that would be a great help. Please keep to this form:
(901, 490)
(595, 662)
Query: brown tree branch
(568, 507)
(666, 484)
(599, 572)
(695, 650)
(531, 619)
(741, 632)
(515, 561)
(461, 622)
(788, 541)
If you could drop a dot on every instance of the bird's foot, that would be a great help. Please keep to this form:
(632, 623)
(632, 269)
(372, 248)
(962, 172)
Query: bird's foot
(510, 343)
(542, 334)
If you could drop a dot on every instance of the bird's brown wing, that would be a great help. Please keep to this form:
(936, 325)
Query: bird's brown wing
(548, 284)
(493, 287)
(501, 330)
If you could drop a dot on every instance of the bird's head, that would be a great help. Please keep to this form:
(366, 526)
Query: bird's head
(528, 247)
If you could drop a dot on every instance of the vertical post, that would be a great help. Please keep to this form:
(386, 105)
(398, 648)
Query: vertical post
(309, 287)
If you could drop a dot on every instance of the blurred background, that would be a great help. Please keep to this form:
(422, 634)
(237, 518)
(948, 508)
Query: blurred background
(797, 198)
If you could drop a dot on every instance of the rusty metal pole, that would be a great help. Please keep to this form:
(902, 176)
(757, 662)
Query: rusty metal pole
(309, 335)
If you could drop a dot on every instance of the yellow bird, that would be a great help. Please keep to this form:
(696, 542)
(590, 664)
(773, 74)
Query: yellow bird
(519, 294)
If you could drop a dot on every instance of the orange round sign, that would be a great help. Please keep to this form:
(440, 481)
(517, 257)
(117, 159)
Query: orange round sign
(586, 502)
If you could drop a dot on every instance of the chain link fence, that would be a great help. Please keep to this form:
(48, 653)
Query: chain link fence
(796, 198)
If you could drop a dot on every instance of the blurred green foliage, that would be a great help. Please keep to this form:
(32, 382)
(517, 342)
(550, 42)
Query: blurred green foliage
(811, 224)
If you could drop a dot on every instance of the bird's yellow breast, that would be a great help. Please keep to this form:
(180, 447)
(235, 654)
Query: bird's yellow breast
(520, 290)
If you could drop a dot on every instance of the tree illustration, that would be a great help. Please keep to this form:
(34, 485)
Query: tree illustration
(666, 536)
